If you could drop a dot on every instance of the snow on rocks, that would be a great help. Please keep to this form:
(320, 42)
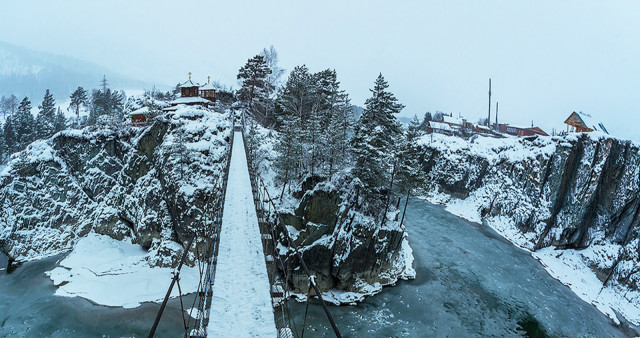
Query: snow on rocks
(567, 200)
(116, 273)
(149, 184)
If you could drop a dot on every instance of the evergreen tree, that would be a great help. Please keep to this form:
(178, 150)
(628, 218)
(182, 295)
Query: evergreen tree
(23, 125)
(60, 123)
(3, 146)
(9, 136)
(79, 100)
(45, 121)
(375, 138)
(106, 103)
(425, 121)
(414, 127)
(254, 88)
(288, 148)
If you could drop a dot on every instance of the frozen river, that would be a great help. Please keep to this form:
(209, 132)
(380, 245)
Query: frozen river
(470, 282)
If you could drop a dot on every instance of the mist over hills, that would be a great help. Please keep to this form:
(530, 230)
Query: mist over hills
(24, 72)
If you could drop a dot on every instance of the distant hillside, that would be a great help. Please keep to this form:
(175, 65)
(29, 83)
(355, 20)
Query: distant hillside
(29, 73)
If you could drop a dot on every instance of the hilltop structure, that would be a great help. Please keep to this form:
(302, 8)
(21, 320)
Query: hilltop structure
(582, 123)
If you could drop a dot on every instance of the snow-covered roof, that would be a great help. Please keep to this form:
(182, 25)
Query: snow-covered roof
(207, 86)
(188, 84)
(591, 123)
(452, 120)
(143, 110)
(186, 100)
(440, 125)
(483, 127)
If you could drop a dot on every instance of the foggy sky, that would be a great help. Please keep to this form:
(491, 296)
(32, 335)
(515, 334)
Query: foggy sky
(546, 58)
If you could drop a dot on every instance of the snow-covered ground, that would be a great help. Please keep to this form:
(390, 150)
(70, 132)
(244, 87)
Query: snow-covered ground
(241, 304)
(116, 273)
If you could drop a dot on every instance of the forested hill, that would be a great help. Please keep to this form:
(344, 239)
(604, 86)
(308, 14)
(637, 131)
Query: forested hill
(24, 72)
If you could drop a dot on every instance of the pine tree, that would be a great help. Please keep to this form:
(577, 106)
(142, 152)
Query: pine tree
(45, 121)
(9, 136)
(289, 150)
(3, 146)
(425, 121)
(60, 123)
(23, 125)
(254, 88)
(375, 138)
(414, 128)
(79, 100)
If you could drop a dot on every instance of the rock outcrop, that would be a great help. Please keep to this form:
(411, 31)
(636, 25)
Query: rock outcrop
(344, 248)
(148, 184)
(577, 192)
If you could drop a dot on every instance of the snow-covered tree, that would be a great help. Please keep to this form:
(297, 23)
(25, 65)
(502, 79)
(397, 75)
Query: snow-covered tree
(376, 136)
(3, 146)
(60, 122)
(79, 100)
(8, 105)
(289, 150)
(273, 81)
(9, 136)
(425, 121)
(254, 87)
(45, 120)
(23, 125)
(106, 102)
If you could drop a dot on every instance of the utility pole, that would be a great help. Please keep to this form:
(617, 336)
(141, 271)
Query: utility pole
(104, 83)
(496, 126)
(489, 116)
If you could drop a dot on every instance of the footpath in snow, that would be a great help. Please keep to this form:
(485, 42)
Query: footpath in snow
(241, 304)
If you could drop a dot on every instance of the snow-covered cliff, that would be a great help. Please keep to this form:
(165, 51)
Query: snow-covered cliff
(146, 184)
(574, 201)
(348, 251)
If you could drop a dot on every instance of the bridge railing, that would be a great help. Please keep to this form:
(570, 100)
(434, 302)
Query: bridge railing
(270, 221)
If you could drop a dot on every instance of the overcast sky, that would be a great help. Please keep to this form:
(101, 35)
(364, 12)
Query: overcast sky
(546, 58)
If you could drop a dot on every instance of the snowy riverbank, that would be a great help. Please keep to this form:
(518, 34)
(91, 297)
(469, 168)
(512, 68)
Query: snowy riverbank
(116, 273)
(570, 267)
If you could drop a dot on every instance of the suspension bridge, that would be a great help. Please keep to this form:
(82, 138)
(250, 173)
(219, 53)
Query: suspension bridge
(243, 289)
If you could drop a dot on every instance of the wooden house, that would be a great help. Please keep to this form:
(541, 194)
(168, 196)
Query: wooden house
(139, 116)
(520, 131)
(189, 89)
(582, 123)
(208, 92)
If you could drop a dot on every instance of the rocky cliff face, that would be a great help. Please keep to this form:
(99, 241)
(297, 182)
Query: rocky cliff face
(345, 249)
(579, 192)
(148, 184)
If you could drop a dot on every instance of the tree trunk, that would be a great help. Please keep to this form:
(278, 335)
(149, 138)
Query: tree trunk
(405, 207)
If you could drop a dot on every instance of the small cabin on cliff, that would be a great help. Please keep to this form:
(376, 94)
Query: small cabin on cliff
(189, 89)
(582, 123)
(139, 116)
(208, 92)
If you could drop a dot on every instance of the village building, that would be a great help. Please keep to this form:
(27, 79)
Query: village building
(139, 116)
(520, 131)
(207, 91)
(582, 123)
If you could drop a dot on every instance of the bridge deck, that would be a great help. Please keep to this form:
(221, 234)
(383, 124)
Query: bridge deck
(241, 304)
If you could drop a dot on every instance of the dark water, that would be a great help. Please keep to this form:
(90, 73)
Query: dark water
(470, 282)
(28, 308)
